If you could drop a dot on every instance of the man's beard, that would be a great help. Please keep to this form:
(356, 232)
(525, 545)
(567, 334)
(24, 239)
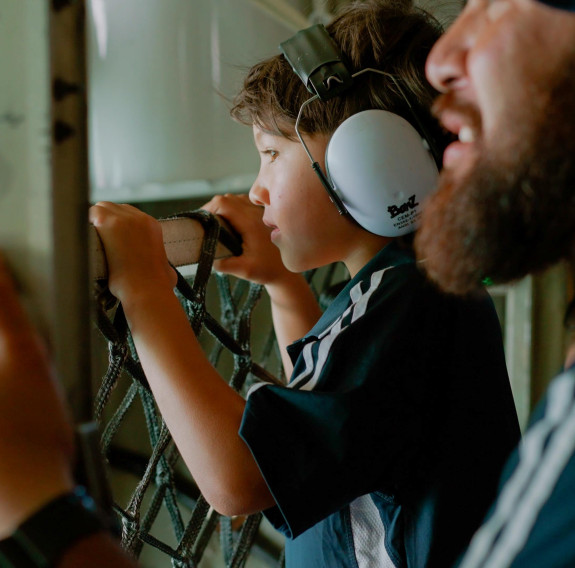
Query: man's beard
(514, 212)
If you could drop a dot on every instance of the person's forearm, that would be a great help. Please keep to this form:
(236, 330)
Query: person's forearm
(202, 412)
(294, 312)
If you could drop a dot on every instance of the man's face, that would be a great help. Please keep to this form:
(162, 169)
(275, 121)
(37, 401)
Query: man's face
(506, 69)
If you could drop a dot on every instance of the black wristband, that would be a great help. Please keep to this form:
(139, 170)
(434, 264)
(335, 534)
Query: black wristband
(41, 540)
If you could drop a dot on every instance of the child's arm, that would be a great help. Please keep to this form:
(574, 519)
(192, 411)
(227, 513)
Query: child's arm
(202, 412)
(294, 307)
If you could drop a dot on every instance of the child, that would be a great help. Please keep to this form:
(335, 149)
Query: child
(386, 446)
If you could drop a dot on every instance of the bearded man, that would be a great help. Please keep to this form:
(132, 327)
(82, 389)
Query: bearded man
(505, 208)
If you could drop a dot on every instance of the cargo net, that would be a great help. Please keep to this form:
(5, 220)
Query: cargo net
(164, 494)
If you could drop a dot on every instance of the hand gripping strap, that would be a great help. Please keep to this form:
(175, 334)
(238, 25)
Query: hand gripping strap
(183, 237)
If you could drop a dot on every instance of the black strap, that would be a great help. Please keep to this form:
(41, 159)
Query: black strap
(42, 539)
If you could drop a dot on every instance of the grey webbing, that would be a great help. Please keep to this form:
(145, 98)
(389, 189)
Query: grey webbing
(159, 484)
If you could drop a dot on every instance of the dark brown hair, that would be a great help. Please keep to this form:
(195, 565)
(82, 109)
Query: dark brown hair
(390, 35)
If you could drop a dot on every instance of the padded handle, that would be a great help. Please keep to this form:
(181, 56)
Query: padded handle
(182, 240)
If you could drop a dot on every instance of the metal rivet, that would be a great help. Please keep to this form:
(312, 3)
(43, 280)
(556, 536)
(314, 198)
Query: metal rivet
(58, 5)
(62, 131)
(61, 89)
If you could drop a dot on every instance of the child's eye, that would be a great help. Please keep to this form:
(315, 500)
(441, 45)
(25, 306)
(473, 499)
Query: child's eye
(273, 154)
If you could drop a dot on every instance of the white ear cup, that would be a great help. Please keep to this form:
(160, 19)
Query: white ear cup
(379, 166)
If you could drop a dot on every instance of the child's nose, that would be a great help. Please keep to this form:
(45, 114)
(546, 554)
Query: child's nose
(258, 193)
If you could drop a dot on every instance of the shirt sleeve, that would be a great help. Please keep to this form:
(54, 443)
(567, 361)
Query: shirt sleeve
(531, 522)
(364, 426)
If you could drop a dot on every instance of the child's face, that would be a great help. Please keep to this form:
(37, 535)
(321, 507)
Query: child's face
(307, 228)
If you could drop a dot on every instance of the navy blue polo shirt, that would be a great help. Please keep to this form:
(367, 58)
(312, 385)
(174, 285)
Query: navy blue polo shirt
(387, 444)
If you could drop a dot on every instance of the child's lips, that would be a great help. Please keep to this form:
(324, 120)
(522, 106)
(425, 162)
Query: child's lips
(269, 224)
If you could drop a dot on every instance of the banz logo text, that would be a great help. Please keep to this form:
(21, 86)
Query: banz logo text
(394, 210)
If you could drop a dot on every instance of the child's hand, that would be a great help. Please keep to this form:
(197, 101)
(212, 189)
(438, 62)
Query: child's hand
(135, 253)
(261, 260)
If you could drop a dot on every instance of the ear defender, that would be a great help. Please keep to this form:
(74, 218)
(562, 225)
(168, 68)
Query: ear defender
(378, 165)
(379, 168)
